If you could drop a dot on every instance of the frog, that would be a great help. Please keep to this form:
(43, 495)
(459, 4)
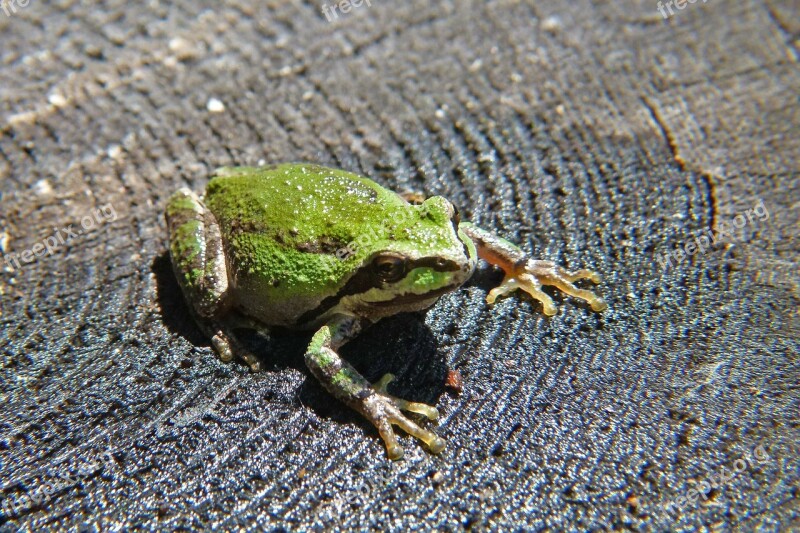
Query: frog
(304, 247)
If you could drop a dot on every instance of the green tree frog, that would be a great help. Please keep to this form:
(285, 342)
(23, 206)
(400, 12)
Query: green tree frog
(305, 247)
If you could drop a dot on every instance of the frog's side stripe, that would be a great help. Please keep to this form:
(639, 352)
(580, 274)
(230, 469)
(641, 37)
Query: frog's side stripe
(364, 279)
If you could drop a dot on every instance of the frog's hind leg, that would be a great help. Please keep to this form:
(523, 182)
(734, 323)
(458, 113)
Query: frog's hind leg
(195, 246)
(345, 383)
(226, 342)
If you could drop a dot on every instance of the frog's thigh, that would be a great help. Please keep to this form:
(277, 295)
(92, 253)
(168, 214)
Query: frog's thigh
(346, 384)
(195, 245)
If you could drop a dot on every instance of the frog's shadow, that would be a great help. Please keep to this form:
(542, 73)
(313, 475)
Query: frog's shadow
(402, 345)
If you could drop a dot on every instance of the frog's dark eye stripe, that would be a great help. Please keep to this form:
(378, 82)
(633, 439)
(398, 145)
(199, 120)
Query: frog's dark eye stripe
(361, 281)
(365, 278)
(413, 298)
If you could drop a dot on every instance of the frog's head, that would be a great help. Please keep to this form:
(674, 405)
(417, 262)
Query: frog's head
(420, 256)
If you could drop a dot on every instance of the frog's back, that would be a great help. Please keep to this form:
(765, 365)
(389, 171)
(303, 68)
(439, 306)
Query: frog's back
(284, 225)
(315, 198)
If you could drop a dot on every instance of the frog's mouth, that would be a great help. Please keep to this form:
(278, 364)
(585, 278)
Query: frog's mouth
(413, 298)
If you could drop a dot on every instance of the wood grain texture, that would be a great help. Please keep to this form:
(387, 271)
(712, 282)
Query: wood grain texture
(592, 133)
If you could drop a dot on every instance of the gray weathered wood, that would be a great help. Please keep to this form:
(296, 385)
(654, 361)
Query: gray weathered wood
(593, 133)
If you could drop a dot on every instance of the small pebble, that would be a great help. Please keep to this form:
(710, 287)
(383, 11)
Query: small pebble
(183, 49)
(43, 188)
(454, 381)
(57, 100)
(551, 24)
(215, 106)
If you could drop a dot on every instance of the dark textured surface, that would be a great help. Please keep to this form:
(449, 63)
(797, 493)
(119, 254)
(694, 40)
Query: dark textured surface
(592, 133)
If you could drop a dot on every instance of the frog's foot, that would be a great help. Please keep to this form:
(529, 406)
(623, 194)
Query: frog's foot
(226, 345)
(380, 408)
(383, 410)
(529, 275)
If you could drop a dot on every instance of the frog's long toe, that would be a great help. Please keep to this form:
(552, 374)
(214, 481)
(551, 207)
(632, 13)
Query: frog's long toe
(548, 273)
(429, 412)
(527, 283)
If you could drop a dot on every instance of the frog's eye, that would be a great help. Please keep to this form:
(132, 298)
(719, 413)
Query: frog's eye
(389, 267)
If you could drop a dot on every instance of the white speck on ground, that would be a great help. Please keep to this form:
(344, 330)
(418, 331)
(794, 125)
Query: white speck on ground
(57, 100)
(43, 187)
(552, 23)
(114, 151)
(184, 49)
(215, 106)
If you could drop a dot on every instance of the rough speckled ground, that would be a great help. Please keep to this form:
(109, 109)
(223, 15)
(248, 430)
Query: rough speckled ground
(591, 133)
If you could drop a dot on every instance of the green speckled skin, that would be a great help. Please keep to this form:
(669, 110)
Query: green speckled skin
(294, 234)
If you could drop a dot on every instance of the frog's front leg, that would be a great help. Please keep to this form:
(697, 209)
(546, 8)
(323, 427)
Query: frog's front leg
(346, 384)
(530, 274)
